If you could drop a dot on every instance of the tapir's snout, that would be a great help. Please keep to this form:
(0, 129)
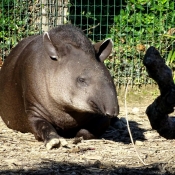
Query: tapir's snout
(106, 106)
(110, 101)
(112, 111)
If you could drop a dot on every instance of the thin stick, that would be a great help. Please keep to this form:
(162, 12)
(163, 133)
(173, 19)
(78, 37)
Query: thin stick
(126, 114)
(92, 27)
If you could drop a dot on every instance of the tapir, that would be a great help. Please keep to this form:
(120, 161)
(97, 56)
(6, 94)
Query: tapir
(56, 86)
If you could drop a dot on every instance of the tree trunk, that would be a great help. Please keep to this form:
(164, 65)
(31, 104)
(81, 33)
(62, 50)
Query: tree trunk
(50, 13)
(164, 104)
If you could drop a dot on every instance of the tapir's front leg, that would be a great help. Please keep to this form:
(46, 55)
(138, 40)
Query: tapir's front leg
(94, 128)
(43, 130)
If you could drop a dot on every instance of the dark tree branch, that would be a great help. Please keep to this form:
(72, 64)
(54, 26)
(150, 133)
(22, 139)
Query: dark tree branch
(164, 104)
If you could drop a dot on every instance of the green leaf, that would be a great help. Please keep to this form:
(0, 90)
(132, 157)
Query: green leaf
(169, 57)
(173, 57)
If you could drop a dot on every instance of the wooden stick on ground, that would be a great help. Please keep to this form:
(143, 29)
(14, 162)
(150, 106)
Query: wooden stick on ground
(164, 104)
(130, 134)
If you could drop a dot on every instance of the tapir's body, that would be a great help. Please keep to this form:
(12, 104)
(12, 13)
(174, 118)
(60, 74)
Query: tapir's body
(57, 85)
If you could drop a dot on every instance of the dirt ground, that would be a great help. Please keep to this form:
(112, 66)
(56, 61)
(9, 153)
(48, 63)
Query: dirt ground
(113, 154)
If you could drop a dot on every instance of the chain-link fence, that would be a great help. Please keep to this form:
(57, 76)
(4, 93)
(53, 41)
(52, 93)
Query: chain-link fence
(133, 25)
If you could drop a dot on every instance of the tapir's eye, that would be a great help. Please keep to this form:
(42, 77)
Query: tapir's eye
(82, 81)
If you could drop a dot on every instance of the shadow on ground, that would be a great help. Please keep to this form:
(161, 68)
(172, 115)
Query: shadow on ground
(122, 135)
(49, 167)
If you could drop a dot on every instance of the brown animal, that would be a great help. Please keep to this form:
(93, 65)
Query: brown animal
(56, 85)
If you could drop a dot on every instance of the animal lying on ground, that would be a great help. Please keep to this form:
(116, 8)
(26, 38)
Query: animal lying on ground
(56, 85)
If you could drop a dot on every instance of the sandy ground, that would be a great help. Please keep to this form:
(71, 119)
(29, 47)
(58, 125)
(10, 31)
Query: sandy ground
(112, 154)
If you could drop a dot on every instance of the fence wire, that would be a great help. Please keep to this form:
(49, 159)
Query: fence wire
(133, 25)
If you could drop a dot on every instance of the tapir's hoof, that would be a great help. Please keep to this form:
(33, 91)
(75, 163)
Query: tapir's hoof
(56, 143)
(63, 142)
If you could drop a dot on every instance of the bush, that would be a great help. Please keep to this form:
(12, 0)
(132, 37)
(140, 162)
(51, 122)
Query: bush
(94, 17)
(133, 25)
(14, 23)
(141, 23)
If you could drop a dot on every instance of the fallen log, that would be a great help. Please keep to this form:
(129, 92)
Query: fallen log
(164, 104)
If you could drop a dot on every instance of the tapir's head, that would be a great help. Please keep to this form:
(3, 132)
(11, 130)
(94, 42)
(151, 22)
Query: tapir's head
(79, 80)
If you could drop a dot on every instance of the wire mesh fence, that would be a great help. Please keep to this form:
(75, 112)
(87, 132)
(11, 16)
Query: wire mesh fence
(134, 25)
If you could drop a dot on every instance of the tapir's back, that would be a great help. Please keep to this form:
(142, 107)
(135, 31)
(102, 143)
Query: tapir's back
(11, 102)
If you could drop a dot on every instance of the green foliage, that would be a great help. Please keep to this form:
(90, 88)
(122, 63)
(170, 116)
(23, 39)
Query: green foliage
(94, 17)
(137, 24)
(171, 61)
(14, 23)
(134, 25)
(171, 58)
(141, 23)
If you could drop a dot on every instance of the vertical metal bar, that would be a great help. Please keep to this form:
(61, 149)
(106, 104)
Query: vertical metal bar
(119, 43)
(3, 31)
(107, 18)
(40, 17)
(14, 17)
(81, 13)
(87, 19)
(94, 22)
(27, 16)
(8, 4)
(75, 14)
(125, 79)
(62, 12)
(101, 12)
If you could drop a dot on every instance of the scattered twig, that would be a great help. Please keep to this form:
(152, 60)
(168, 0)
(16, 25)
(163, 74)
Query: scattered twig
(99, 140)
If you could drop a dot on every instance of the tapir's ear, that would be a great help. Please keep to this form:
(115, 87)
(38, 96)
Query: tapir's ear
(103, 49)
(50, 49)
